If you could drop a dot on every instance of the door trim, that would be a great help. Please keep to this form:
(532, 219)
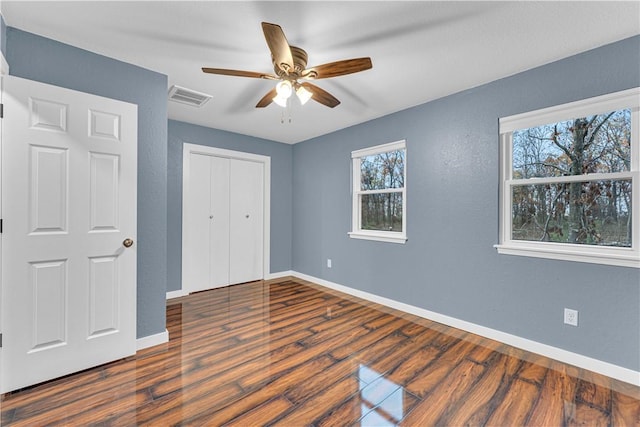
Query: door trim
(187, 150)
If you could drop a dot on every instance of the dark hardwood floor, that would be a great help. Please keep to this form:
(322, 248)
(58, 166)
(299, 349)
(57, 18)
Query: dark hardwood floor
(289, 353)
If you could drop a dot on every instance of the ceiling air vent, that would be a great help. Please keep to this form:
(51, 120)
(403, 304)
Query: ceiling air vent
(188, 96)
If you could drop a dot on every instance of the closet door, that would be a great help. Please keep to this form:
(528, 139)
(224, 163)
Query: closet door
(219, 222)
(223, 221)
(206, 257)
(246, 199)
(196, 232)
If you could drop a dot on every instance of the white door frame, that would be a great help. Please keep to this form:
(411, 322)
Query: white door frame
(187, 150)
(4, 71)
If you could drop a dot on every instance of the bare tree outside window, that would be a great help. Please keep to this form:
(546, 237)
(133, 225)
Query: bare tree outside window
(579, 211)
(382, 210)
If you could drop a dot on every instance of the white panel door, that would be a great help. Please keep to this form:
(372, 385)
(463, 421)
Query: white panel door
(246, 221)
(69, 172)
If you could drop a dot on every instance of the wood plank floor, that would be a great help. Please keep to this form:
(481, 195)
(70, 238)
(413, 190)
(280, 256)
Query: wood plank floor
(291, 354)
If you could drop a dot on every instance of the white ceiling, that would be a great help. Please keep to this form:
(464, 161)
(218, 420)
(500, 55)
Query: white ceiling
(421, 50)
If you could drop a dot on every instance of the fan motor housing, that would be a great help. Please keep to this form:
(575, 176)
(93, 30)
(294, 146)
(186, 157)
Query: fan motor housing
(300, 59)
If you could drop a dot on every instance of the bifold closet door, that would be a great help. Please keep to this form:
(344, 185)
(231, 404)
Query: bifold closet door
(224, 222)
(219, 222)
(207, 259)
(246, 201)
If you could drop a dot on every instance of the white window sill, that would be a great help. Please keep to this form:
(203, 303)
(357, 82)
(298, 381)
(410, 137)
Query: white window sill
(379, 236)
(621, 257)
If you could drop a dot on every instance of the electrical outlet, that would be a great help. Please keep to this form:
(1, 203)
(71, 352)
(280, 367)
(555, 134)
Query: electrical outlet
(328, 262)
(571, 317)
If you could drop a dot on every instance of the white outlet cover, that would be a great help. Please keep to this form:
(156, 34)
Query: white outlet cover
(571, 317)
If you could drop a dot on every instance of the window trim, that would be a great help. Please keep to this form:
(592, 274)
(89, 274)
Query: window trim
(607, 255)
(377, 235)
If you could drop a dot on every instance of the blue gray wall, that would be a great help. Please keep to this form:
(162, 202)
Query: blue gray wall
(449, 264)
(281, 170)
(45, 60)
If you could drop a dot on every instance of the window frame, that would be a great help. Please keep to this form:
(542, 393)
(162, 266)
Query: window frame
(356, 215)
(606, 255)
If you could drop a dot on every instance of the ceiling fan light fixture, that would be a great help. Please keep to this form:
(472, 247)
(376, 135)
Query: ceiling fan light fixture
(281, 101)
(284, 89)
(303, 95)
(290, 65)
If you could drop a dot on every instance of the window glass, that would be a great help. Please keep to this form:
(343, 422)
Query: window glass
(601, 214)
(381, 211)
(384, 170)
(594, 144)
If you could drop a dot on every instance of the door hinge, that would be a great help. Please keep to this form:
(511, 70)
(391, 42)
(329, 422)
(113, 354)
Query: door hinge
(1, 111)
(1, 221)
(0, 340)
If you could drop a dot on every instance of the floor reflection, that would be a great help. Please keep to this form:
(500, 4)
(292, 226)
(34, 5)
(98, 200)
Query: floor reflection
(382, 399)
(292, 354)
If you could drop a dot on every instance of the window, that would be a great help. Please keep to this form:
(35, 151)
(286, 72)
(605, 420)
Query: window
(379, 193)
(570, 186)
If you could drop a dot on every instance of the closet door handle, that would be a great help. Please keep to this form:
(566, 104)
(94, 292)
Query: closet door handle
(246, 216)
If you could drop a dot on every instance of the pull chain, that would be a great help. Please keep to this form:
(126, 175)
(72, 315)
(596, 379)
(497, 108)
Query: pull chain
(286, 112)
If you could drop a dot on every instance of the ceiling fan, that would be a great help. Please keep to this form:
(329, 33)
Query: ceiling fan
(290, 66)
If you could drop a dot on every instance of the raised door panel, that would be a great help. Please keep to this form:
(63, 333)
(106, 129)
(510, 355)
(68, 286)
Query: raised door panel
(104, 187)
(48, 184)
(49, 290)
(104, 291)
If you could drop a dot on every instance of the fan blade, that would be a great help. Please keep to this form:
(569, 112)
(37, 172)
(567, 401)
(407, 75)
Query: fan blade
(338, 68)
(279, 46)
(267, 99)
(321, 95)
(239, 73)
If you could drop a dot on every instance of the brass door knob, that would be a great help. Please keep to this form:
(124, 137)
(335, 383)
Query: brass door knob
(127, 243)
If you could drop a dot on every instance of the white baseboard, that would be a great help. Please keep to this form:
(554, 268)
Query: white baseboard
(279, 275)
(177, 294)
(151, 340)
(575, 359)
(271, 276)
